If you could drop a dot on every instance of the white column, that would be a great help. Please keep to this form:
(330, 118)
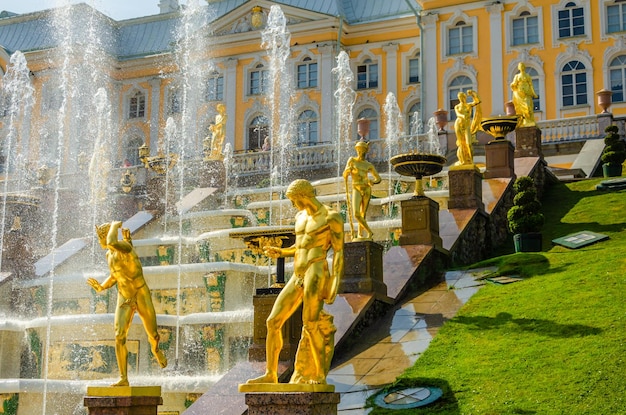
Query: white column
(155, 92)
(430, 76)
(325, 77)
(391, 63)
(495, 57)
(230, 94)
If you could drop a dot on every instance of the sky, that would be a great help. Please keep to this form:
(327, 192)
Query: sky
(116, 9)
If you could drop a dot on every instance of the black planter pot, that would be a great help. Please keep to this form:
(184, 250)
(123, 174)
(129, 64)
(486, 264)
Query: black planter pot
(612, 170)
(527, 242)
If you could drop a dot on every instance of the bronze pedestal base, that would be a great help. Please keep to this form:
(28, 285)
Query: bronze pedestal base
(123, 400)
(528, 142)
(420, 222)
(288, 403)
(466, 191)
(499, 158)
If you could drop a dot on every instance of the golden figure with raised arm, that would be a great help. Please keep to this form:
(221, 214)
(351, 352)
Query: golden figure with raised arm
(133, 295)
(523, 94)
(466, 126)
(359, 169)
(318, 228)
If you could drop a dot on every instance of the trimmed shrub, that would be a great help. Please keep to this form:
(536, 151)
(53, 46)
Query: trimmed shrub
(525, 215)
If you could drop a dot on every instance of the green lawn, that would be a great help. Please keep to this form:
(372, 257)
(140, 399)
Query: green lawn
(554, 343)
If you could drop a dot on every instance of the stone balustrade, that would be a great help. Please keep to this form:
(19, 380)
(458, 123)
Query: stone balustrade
(570, 129)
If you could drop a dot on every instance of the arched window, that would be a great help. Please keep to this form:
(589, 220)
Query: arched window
(258, 129)
(137, 105)
(574, 84)
(414, 119)
(131, 151)
(459, 84)
(307, 128)
(372, 116)
(534, 76)
(617, 78)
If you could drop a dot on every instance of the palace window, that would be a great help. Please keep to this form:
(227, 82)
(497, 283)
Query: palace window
(574, 84)
(367, 75)
(571, 21)
(459, 84)
(414, 69)
(131, 151)
(307, 74)
(413, 119)
(372, 116)
(307, 128)
(214, 88)
(460, 38)
(616, 17)
(258, 129)
(259, 80)
(617, 78)
(174, 104)
(525, 29)
(137, 105)
(534, 76)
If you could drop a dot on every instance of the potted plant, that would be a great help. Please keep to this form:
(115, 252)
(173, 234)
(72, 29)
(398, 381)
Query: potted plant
(614, 153)
(524, 217)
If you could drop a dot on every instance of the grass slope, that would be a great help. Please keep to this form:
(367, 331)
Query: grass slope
(554, 343)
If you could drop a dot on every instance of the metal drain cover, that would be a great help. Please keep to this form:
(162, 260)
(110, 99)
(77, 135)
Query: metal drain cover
(406, 398)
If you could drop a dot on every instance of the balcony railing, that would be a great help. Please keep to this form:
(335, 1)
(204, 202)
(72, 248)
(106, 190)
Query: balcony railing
(569, 129)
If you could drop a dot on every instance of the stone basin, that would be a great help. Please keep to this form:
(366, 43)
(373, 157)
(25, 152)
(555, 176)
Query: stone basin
(499, 126)
(418, 165)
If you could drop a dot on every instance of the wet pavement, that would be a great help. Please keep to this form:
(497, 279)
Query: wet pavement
(397, 342)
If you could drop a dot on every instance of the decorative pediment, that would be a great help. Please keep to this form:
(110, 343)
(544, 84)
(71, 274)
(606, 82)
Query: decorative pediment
(248, 19)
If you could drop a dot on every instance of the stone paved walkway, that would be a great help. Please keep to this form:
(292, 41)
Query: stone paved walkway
(399, 339)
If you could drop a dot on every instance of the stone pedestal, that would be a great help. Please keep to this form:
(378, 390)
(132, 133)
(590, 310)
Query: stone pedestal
(123, 400)
(213, 174)
(263, 302)
(499, 159)
(289, 403)
(156, 197)
(528, 142)
(420, 222)
(365, 271)
(466, 189)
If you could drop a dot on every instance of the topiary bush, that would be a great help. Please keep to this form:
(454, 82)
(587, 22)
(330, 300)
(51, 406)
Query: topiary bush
(615, 149)
(525, 215)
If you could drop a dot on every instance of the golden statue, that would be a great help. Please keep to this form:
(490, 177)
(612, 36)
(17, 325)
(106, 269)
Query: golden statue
(466, 126)
(318, 228)
(360, 169)
(218, 131)
(133, 294)
(523, 94)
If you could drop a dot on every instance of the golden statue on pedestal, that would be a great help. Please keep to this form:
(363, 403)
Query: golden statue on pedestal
(318, 228)
(523, 94)
(466, 126)
(133, 294)
(359, 169)
(218, 130)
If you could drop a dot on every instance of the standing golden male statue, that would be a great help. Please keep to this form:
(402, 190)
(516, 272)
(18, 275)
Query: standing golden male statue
(133, 294)
(359, 170)
(318, 228)
(218, 131)
(466, 126)
(523, 94)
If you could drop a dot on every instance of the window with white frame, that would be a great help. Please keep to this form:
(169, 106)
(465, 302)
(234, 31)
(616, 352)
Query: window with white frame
(414, 121)
(137, 105)
(258, 129)
(307, 128)
(459, 84)
(525, 29)
(307, 74)
(571, 21)
(131, 151)
(617, 78)
(574, 84)
(258, 80)
(214, 88)
(460, 38)
(414, 69)
(371, 115)
(367, 75)
(174, 101)
(616, 17)
(534, 77)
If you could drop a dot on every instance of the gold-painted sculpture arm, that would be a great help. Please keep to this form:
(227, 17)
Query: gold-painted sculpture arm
(336, 240)
(113, 242)
(277, 252)
(108, 283)
(374, 173)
